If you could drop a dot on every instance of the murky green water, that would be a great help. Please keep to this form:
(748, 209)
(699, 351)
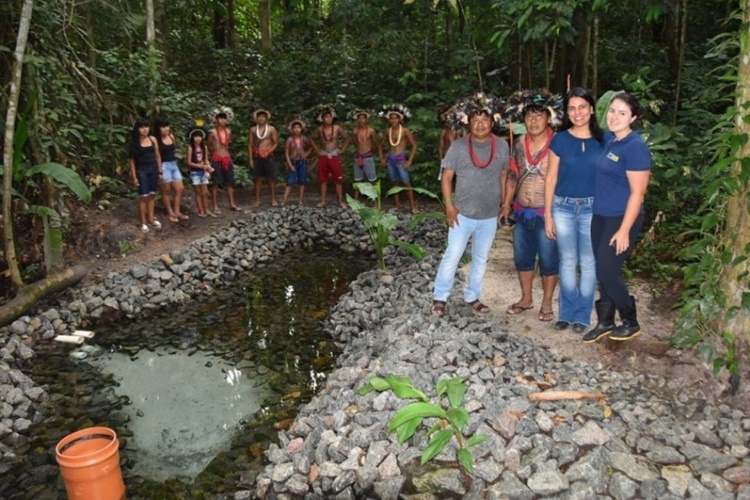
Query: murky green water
(265, 331)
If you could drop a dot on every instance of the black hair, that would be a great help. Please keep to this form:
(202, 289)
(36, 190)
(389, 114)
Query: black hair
(536, 107)
(161, 122)
(135, 136)
(221, 115)
(629, 99)
(596, 131)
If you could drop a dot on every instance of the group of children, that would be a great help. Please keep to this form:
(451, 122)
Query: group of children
(328, 141)
(153, 163)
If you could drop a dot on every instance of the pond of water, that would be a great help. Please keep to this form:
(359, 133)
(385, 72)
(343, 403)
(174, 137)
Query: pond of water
(197, 392)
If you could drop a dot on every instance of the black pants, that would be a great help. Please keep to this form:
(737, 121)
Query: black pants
(612, 287)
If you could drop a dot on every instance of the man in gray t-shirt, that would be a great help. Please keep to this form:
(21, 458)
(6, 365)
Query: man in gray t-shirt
(478, 162)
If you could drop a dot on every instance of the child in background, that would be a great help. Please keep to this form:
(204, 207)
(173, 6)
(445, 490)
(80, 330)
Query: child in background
(296, 150)
(200, 170)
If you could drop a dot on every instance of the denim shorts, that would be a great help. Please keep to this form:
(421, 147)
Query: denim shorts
(148, 181)
(298, 178)
(170, 172)
(366, 170)
(530, 242)
(198, 177)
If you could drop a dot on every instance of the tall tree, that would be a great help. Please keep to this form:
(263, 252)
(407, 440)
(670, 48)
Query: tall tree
(8, 153)
(266, 44)
(734, 281)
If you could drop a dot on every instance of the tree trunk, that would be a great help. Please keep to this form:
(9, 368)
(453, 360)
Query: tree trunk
(31, 294)
(220, 24)
(151, 44)
(10, 124)
(585, 59)
(737, 229)
(595, 58)
(266, 44)
(681, 60)
(231, 37)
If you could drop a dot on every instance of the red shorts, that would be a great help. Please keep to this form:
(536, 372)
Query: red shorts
(330, 169)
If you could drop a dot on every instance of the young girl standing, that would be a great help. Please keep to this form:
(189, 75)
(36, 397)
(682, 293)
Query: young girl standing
(200, 170)
(171, 178)
(145, 169)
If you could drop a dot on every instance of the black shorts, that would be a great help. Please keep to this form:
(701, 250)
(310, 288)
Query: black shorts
(264, 167)
(222, 176)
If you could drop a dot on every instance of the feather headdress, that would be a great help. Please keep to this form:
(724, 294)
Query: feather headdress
(522, 101)
(225, 110)
(353, 115)
(296, 119)
(478, 103)
(324, 109)
(394, 109)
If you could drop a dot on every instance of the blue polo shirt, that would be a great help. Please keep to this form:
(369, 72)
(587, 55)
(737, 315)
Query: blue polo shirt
(575, 175)
(611, 186)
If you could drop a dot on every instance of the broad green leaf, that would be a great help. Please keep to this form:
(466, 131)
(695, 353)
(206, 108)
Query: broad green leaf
(372, 191)
(63, 175)
(407, 429)
(456, 392)
(436, 427)
(458, 417)
(466, 460)
(414, 250)
(415, 410)
(374, 384)
(602, 105)
(42, 211)
(476, 439)
(404, 389)
(436, 445)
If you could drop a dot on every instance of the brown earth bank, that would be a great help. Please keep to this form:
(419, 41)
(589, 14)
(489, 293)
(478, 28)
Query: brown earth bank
(110, 240)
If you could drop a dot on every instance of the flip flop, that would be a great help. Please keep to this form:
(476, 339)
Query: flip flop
(183, 217)
(173, 219)
(235, 208)
(546, 315)
(217, 211)
(478, 307)
(438, 308)
(518, 308)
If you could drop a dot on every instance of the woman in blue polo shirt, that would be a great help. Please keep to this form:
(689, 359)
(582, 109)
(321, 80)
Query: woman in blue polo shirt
(620, 181)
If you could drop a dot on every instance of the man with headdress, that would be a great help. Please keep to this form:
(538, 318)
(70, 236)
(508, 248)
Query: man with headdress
(221, 160)
(296, 151)
(330, 169)
(399, 138)
(262, 141)
(477, 162)
(524, 195)
(365, 142)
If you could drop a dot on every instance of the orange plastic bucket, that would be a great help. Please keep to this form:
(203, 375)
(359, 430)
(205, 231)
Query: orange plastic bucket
(89, 462)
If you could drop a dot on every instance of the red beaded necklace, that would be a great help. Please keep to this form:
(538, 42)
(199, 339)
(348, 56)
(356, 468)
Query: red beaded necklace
(540, 156)
(473, 155)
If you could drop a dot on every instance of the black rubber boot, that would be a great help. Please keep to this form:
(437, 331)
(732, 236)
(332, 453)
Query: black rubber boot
(629, 327)
(605, 313)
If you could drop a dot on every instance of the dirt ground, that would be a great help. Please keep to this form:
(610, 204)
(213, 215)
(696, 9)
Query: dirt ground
(111, 241)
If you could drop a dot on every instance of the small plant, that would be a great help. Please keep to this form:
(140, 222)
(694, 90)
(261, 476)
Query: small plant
(380, 224)
(450, 422)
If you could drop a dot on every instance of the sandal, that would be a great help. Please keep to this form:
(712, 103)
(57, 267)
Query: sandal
(438, 307)
(518, 308)
(183, 217)
(235, 208)
(546, 315)
(477, 306)
(173, 219)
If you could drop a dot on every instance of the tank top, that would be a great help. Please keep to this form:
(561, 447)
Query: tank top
(197, 157)
(145, 157)
(166, 150)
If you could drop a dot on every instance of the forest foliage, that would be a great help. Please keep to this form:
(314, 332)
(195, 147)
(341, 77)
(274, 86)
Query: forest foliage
(89, 73)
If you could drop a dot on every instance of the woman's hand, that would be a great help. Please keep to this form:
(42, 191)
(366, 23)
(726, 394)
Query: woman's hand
(620, 241)
(549, 227)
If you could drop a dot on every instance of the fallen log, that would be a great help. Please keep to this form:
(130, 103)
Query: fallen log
(32, 293)
(559, 395)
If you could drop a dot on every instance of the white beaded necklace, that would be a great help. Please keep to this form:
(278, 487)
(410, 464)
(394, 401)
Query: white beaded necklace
(390, 136)
(265, 132)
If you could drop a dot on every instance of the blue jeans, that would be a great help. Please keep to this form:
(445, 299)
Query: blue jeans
(572, 217)
(530, 241)
(482, 234)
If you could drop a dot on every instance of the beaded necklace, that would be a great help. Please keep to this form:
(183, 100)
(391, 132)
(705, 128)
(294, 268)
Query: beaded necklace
(257, 132)
(360, 138)
(533, 161)
(473, 155)
(222, 135)
(327, 140)
(390, 136)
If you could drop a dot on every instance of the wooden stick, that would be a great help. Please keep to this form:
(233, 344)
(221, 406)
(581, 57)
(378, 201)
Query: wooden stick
(84, 333)
(70, 339)
(558, 395)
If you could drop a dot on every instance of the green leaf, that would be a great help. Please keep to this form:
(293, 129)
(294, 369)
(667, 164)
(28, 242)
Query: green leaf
(458, 417)
(466, 460)
(63, 175)
(746, 300)
(436, 445)
(476, 439)
(372, 191)
(456, 392)
(602, 105)
(407, 429)
(404, 389)
(374, 384)
(414, 250)
(415, 410)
